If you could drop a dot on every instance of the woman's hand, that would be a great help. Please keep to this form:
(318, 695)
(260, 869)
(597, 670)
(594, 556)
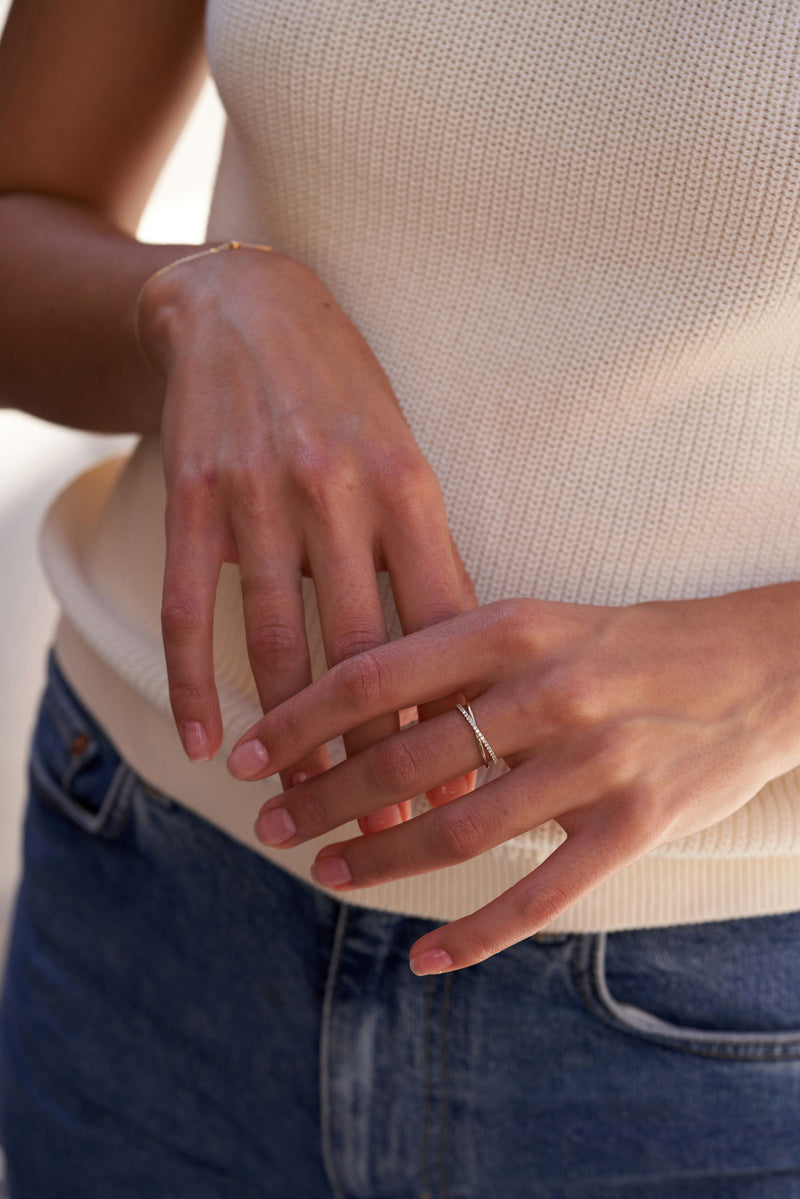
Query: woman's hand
(630, 727)
(285, 451)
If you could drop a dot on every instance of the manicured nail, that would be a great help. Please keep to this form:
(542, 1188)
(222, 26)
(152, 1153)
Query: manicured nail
(331, 872)
(275, 826)
(431, 961)
(447, 791)
(376, 822)
(195, 741)
(248, 760)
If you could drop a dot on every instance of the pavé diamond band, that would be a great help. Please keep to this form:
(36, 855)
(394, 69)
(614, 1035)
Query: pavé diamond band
(487, 753)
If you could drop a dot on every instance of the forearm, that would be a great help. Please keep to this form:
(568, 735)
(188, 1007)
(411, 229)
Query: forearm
(68, 351)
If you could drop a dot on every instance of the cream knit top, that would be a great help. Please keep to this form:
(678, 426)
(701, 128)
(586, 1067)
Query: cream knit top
(570, 230)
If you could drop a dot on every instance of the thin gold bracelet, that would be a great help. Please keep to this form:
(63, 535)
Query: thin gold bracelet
(228, 245)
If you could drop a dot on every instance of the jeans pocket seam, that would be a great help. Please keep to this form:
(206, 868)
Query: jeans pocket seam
(588, 969)
(108, 820)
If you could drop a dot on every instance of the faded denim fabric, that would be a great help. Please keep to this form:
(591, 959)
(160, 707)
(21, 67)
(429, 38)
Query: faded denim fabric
(183, 1020)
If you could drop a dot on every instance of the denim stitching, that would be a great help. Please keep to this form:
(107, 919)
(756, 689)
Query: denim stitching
(109, 818)
(448, 983)
(425, 1169)
(325, 1043)
(93, 823)
(126, 783)
(589, 977)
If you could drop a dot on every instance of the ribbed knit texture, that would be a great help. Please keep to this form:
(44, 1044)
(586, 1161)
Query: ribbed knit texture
(570, 232)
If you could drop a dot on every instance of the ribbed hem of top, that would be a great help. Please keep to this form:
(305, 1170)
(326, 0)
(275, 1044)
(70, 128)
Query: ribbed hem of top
(653, 892)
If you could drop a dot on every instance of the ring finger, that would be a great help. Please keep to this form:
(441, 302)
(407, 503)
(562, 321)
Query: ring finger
(407, 764)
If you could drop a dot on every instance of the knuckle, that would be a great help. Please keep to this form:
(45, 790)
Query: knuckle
(462, 832)
(181, 615)
(363, 680)
(349, 642)
(437, 610)
(280, 642)
(285, 735)
(538, 904)
(312, 814)
(186, 696)
(475, 946)
(515, 627)
(308, 461)
(193, 481)
(396, 767)
(571, 695)
(321, 477)
(371, 860)
(407, 478)
(305, 447)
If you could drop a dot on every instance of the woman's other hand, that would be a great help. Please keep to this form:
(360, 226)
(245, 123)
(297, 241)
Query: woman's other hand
(271, 395)
(285, 451)
(631, 727)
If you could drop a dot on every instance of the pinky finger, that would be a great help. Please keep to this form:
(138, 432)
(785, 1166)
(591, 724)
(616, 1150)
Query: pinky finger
(580, 863)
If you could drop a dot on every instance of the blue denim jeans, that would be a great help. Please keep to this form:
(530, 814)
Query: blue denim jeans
(183, 1020)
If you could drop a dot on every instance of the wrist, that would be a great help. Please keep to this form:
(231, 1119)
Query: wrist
(181, 294)
(776, 629)
(762, 628)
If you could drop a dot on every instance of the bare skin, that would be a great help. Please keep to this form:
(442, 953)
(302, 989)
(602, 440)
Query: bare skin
(630, 727)
(305, 465)
(661, 719)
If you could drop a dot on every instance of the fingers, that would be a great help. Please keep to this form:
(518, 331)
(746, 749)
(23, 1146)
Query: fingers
(352, 621)
(457, 654)
(461, 784)
(426, 579)
(455, 832)
(408, 763)
(193, 560)
(430, 583)
(274, 621)
(580, 863)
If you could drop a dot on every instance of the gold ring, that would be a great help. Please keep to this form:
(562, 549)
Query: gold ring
(487, 753)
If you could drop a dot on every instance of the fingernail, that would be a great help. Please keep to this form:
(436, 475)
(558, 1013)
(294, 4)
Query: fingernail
(431, 961)
(376, 822)
(331, 872)
(248, 760)
(275, 826)
(302, 776)
(446, 791)
(195, 741)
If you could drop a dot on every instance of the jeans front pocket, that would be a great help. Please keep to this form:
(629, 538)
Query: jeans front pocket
(725, 989)
(75, 770)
